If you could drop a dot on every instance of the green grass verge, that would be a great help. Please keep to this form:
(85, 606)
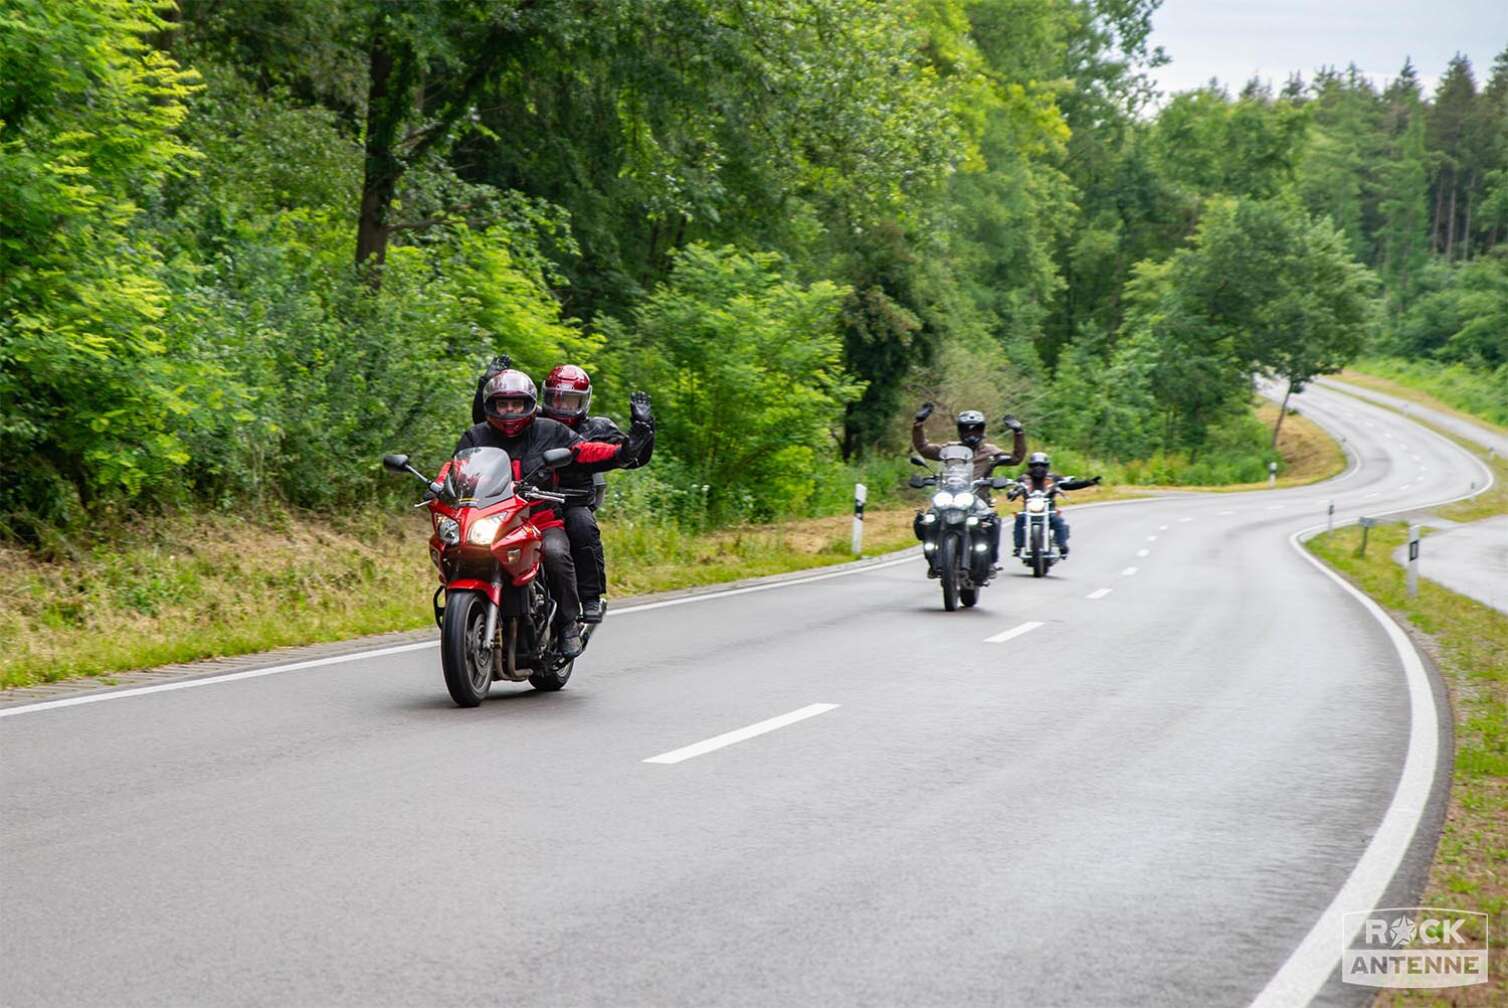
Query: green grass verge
(1477, 393)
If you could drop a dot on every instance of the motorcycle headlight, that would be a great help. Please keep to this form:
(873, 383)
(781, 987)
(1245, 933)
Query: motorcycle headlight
(484, 530)
(448, 530)
(942, 499)
(963, 500)
(1036, 505)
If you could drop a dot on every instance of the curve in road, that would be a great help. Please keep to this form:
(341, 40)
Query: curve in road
(1142, 779)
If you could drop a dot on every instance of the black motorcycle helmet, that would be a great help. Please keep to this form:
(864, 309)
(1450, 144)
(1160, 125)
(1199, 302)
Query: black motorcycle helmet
(1038, 464)
(971, 428)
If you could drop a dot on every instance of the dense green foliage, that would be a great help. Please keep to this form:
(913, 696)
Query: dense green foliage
(248, 247)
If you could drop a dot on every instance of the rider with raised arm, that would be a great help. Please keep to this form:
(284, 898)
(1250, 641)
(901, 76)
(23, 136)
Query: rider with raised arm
(1039, 476)
(971, 429)
(567, 399)
(509, 403)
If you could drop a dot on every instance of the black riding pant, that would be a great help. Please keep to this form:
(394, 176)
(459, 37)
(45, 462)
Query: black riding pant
(560, 571)
(586, 550)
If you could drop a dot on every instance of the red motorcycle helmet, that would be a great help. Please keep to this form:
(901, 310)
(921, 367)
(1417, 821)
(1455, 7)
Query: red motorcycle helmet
(510, 401)
(568, 394)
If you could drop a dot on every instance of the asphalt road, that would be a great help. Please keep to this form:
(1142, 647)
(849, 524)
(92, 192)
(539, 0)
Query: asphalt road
(1471, 559)
(1148, 795)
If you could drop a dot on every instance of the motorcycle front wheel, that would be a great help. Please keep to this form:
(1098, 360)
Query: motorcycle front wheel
(1039, 553)
(947, 562)
(466, 677)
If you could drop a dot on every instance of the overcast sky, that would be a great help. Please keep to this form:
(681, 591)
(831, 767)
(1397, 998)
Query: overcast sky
(1235, 40)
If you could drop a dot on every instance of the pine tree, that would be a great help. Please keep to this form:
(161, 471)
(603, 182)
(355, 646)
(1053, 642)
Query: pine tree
(1448, 129)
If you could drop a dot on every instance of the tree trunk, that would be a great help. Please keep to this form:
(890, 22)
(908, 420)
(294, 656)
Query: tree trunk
(1282, 412)
(1450, 221)
(389, 81)
(1434, 230)
(1466, 228)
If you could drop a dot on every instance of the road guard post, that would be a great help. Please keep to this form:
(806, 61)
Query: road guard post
(860, 493)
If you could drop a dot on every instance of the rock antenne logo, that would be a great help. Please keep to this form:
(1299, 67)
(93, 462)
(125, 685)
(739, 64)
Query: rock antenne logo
(1414, 947)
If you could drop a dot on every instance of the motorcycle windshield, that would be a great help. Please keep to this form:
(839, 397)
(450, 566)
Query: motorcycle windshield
(479, 477)
(957, 467)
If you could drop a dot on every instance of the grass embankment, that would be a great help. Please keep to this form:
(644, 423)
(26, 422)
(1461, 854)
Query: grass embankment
(1473, 393)
(182, 587)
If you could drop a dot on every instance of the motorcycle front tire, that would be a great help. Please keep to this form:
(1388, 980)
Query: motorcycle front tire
(1039, 553)
(947, 562)
(465, 614)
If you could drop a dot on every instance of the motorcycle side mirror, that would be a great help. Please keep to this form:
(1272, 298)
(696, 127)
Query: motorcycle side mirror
(400, 464)
(917, 460)
(1000, 482)
(556, 458)
(917, 482)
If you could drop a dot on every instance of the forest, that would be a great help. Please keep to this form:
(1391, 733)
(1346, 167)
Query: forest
(247, 247)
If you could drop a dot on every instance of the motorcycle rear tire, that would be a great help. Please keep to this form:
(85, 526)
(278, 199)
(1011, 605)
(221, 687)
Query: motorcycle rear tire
(1039, 553)
(467, 684)
(947, 563)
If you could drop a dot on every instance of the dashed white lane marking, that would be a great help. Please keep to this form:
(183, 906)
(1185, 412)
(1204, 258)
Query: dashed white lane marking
(1013, 632)
(1227, 512)
(741, 734)
(1164, 528)
(1153, 538)
(1143, 552)
(1128, 572)
(1275, 507)
(1185, 519)
(1098, 593)
(1372, 494)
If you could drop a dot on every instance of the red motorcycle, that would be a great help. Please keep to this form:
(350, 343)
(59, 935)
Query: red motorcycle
(494, 610)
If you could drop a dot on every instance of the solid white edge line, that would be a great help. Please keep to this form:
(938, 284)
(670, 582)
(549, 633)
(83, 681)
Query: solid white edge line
(1307, 969)
(87, 698)
(1013, 632)
(741, 734)
(1098, 593)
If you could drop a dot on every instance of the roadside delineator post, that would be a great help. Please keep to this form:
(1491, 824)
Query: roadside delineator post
(1330, 517)
(1272, 474)
(1413, 565)
(860, 493)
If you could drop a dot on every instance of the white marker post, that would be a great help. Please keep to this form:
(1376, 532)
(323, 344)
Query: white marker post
(860, 494)
(1413, 565)
(1272, 474)
(1330, 518)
